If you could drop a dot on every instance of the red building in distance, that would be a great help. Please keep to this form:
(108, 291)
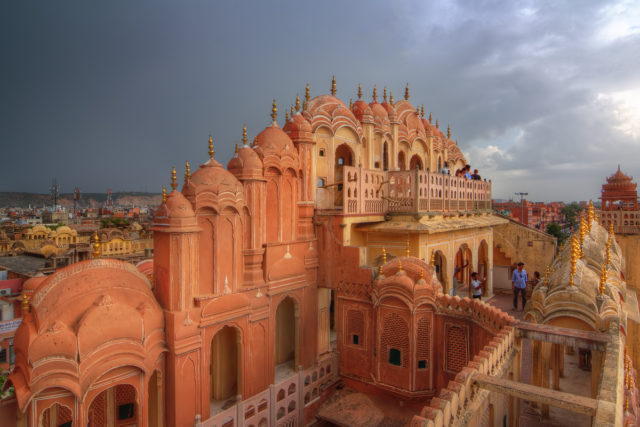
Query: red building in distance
(620, 204)
(533, 214)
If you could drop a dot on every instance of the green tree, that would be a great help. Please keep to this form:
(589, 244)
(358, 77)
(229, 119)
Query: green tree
(572, 213)
(555, 230)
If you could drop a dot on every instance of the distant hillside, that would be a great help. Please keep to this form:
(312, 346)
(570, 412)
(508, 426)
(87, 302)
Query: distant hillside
(87, 200)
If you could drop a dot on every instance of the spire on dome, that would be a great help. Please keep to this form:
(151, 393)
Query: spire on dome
(375, 94)
(286, 114)
(274, 110)
(305, 104)
(236, 149)
(437, 124)
(25, 302)
(391, 98)
(333, 86)
(384, 96)
(429, 118)
(350, 103)
(187, 173)
(297, 103)
(422, 111)
(406, 92)
(164, 195)
(603, 278)
(359, 91)
(244, 135)
(291, 109)
(211, 152)
(174, 181)
(407, 251)
(96, 242)
(307, 97)
(449, 132)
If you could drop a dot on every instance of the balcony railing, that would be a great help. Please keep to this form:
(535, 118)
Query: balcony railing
(9, 325)
(373, 192)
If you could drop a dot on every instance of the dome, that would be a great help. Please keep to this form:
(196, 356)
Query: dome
(299, 129)
(379, 112)
(362, 111)
(272, 141)
(178, 206)
(416, 280)
(214, 178)
(30, 285)
(246, 161)
(329, 111)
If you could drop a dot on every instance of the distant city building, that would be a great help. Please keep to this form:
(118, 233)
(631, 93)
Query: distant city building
(533, 214)
(620, 204)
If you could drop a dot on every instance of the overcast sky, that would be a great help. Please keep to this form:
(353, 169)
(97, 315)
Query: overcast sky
(543, 97)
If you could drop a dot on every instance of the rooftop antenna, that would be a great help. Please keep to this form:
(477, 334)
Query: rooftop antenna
(109, 197)
(55, 192)
(76, 199)
(522, 206)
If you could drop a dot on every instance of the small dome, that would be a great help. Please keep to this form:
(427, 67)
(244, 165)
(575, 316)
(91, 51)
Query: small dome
(379, 112)
(361, 109)
(297, 124)
(214, 178)
(178, 206)
(245, 160)
(273, 141)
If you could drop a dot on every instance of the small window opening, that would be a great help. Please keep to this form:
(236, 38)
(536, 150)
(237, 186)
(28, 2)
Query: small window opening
(356, 339)
(394, 357)
(422, 364)
(320, 182)
(340, 161)
(321, 152)
(125, 411)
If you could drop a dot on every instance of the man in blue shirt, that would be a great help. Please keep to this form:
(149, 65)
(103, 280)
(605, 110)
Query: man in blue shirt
(519, 283)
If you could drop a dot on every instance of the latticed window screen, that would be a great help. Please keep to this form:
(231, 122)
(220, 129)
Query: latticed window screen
(423, 342)
(395, 335)
(456, 347)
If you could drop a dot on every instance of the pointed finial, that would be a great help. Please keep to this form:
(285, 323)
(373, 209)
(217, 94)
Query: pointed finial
(236, 149)
(603, 278)
(391, 99)
(307, 97)
(164, 195)
(407, 250)
(546, 276)
(297, 103)
(292, 111)
(359, 91)
(333, 86)
(384, 256)
(187, 173)
(25, 303)
(449, 132)
(608, 251)
(211, 152)
(286, 115)
(422, 111)
(244, 135)
(399, 264)
(304, 105)
(96, 244)
(432, 262)
(274, 110)
(174, 182)
(350, 104)
(384, 97)
(421, 274)
(380, 270)
(430, 118)
(406, 92)
(437, 124)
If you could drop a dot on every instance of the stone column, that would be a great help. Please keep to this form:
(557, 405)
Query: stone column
(545, 352)
(596, 369)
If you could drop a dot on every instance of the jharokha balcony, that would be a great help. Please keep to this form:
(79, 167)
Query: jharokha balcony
(371, 192)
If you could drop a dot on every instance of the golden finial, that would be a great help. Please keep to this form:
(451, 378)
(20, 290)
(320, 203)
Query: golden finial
(174, 182)
(603, 278)
(406, 92)
(391, 99)
(575, 252)
(422, 111)
(96, 244)
(350, 103)
(236, 149)
(591, 214)
(333, 86)
(297, 103)
(432, 262)
(384, 97)
(608, 251)
(583, 233)
(380, 270)
(430, 118)
(304, 106)
(244, 135)
(407, 251)
(25, 303)
(211, 152)
(384, 256)
(286, 115)
(437, 124)
(421, 274)
(375, 94)
(449, 132)
(399, 264)
(611, 233)
(187, 172)
(546, 276)
(164, 195)
(291, 109)
(274, 110)
(307, 97)
(626, 404)
(359, 91)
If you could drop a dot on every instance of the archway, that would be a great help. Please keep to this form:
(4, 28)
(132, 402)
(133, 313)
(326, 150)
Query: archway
(385, 156)
(463, 265)
(401, 161)
(56, 415)
(286, 339)
(483, 259)
(416, 162)
(440, 264)
(118, 403)
(343, 157)
(225, 367)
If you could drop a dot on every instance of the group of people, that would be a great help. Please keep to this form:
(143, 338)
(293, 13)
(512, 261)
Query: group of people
(464, 172)
(519, 281)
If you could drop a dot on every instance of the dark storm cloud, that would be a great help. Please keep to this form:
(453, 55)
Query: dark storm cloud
(542, 96)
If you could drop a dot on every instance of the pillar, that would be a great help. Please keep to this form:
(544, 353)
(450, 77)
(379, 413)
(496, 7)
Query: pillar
(596, 369)
(545, 353)
(556, 353)
(535, 366)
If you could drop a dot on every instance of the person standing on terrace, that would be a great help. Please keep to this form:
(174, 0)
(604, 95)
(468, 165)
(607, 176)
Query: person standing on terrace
(519, 284)
(444, 169)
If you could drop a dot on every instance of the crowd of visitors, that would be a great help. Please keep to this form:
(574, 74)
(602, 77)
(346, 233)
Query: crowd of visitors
(463, 172)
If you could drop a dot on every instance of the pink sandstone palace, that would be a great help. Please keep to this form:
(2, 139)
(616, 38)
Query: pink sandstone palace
(321, 258)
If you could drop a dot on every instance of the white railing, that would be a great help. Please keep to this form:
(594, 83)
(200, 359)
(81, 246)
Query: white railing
(9, 325)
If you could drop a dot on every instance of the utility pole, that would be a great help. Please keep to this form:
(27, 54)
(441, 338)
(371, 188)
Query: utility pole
(522, 206)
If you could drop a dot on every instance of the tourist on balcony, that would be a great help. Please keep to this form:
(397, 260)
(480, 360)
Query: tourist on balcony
(467, 172)
(476, 176)
(519, 284)
(460, 173)
(477, 285)
(454, 282)
(444, 169)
